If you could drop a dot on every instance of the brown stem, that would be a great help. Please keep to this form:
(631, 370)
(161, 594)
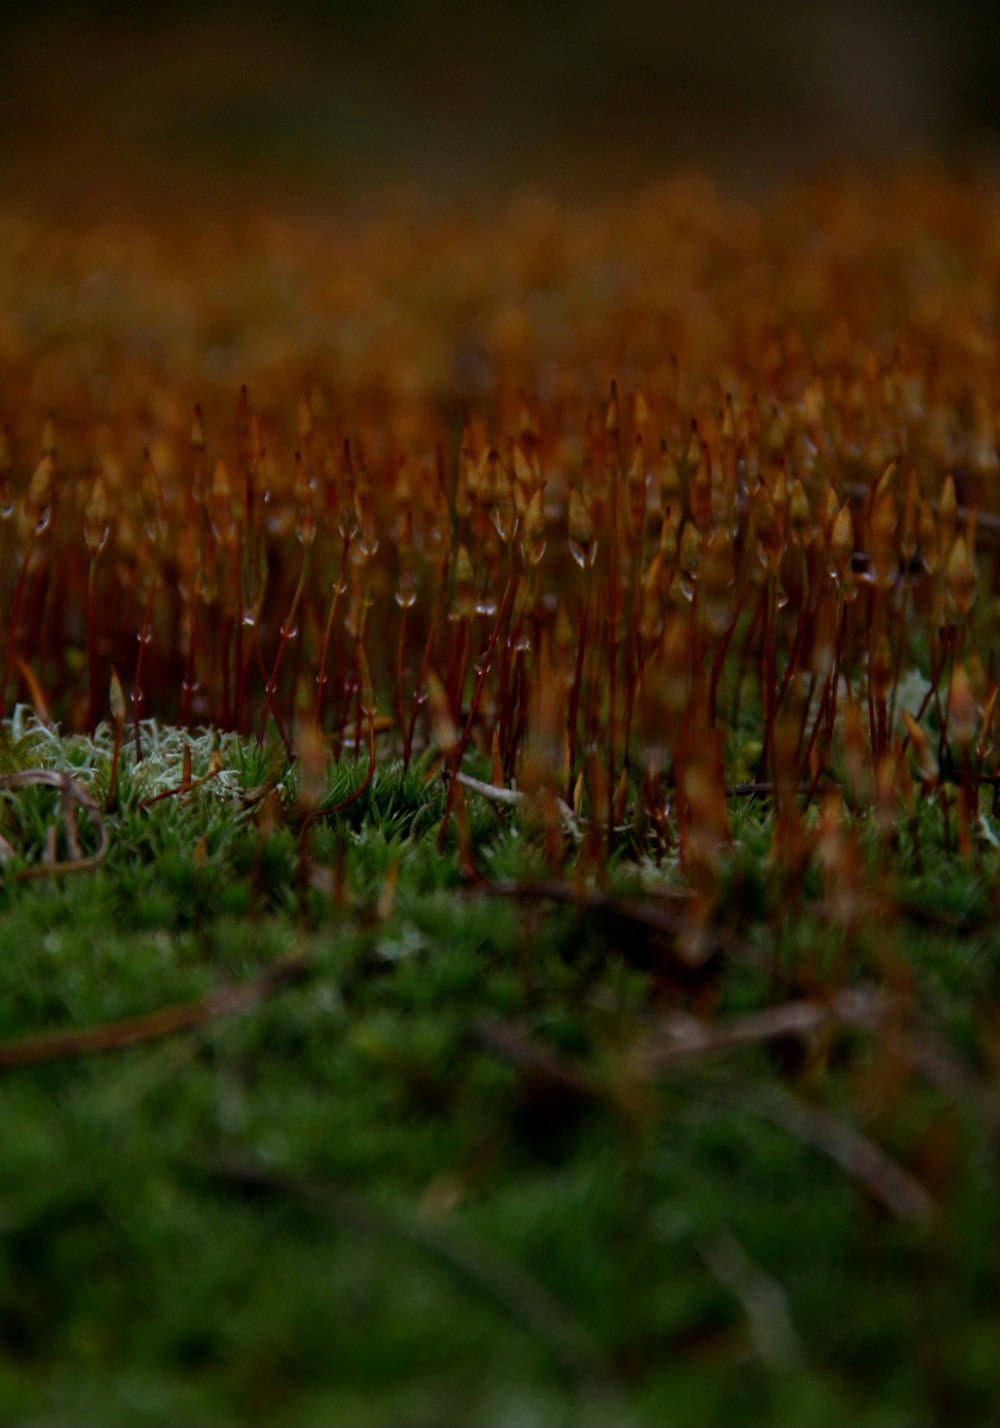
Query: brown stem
(421, 672)
(574, 698)
(115, 756)
(140, 659)
(15, 610)
(286, 633)
(324, 653)
(92, 643)
(467, 731)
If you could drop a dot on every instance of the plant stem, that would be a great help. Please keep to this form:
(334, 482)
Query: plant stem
(15, 610)
(286, 634)
(92, 642)
(324, 653)
(467, 731)
(140, 660)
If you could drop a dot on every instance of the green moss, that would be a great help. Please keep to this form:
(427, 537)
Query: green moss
(139, 1284)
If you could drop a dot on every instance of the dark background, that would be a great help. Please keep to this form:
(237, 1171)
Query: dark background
(111, 102)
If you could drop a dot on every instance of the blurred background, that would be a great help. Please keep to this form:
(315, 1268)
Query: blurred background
(112, 103)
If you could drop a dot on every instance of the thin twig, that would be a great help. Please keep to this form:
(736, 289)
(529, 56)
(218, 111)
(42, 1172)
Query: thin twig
(72, 793)
(515, 798)
(678, 1037)
(226, 1000)
(180, 788)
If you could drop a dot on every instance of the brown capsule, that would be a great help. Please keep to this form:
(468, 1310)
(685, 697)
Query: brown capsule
(116, 698)
(689, 551)
(842, 538)
(582, 544)
(38, 501)
(486, 480)
(533, 528)
(637, 486)
(365, 509)
(718, 577)
(221, 503)
(927, 769)
(504, 511)
(800, 514)
(928, 537)
(366, 693)
(464, 584)
(347, 513)
(466, 485)
(95, 519)
(443, 731)
(305, 505)
(887, 482)
(885, 558)
(50, 434)
(985, 743)
(959, 579)
(152, 501)
(197, 431)
(524, 473)
(668, 541)
(948, 513)
(640, 411)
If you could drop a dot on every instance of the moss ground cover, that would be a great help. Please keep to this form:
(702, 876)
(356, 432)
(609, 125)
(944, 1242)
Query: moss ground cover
(500, 811)
(355, 1201)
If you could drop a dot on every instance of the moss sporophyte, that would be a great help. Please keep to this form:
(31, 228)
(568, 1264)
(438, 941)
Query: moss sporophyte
(520, 694)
